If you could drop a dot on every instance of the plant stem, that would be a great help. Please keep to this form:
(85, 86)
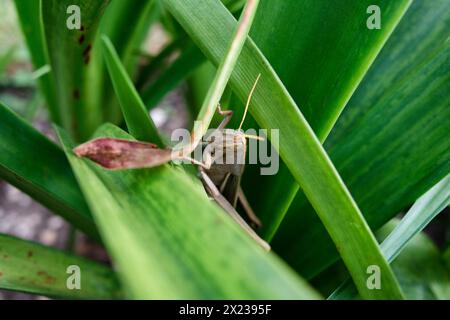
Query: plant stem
(222, 76)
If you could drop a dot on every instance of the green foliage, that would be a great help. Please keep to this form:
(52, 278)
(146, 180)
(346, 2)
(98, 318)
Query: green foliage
(416, 219)
(126, 23)
(272, 107)
(169, 240)
(47, 177)
(70, 53)
(33, 30)
(139, 122)
(321, 68)
(33, 268)
(391, 143)
(431, 280)
(376, 99)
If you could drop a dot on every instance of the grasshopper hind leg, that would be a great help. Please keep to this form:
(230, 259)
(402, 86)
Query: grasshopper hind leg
(254, 220)
(222, 202)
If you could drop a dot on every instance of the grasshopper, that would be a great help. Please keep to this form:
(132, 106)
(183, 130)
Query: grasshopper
(220, 178)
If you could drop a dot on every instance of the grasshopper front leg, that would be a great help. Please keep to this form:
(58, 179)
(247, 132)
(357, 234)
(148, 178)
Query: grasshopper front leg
(227, 114)
(221, 201)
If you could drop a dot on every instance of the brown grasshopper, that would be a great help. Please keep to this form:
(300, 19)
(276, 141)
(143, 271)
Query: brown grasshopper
(220, 178)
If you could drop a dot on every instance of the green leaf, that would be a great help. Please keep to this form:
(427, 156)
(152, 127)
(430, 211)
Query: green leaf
(420, 269)
(199, 83)
(155, 63)
(391, 143)
(320, 50)
(322, 78)
(447, 258)
(136, 116)
(70, 53)
(37, 166)
(30, 267)
(209, 24)
(224, 71)
(425, 209)
(30, 18)
(189, 59)
(170, 241)
(126, 23)
(418, 217)
(6, 58)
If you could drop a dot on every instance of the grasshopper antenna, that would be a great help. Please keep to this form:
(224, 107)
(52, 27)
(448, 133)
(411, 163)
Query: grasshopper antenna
(251, 136)
(248, 101)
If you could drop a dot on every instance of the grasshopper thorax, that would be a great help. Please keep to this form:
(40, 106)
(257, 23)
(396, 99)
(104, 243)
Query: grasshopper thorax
(225, 147)
(224, 154)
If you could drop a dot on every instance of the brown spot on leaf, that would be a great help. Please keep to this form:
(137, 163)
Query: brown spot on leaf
(48, 279)
(87, 54)
(5, 256)
(87, 50)
(82, 28)
(81, 39)
(1, 274)
(29, 254)
(76, 94)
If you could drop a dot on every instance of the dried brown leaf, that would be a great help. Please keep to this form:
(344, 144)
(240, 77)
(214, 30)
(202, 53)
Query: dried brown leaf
(117, 154)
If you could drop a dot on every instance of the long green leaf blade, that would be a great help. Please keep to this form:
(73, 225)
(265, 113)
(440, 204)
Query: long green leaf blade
(30, 267)
(425, 209)
(170, 241)
(321, 64)
(126, 24)
(224, 70)
(136, 116)
(418, 217)
(70, 57)
(209, 24)
(419, 267)
(6, 58)
(391, 144)
(189, 59)
(447, 258)
(48, 177)
(30, 17)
